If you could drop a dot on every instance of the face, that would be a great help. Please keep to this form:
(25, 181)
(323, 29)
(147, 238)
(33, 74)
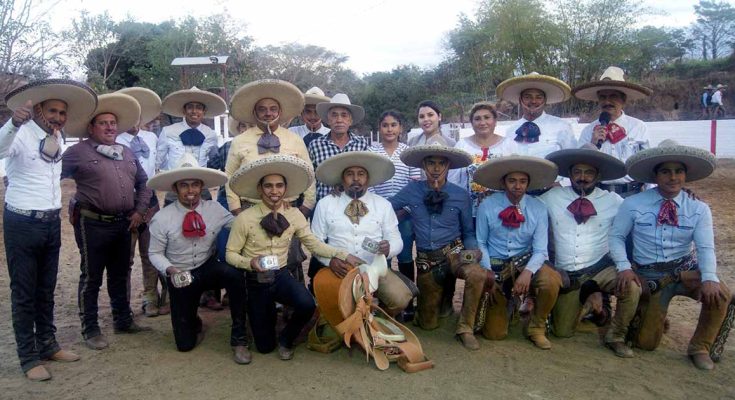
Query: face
(311, 117)
(516, 184)
(670, 178)
(583, 177)
(532, 102)
(611, 101)
(429, 119)
(272, 189)
(354, 180)
(103, 129)
(51, 114)
(483, 122)
(242, 127)
(436, 169)
(134, 129)
(267, 110)
(390, 129)
(189, 191)
(339, 119)
(194, 113)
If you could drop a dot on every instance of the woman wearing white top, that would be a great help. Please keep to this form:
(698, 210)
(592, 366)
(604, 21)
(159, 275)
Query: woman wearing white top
(429, 116)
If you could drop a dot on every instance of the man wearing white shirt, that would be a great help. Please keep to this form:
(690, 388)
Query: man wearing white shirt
(313, 127)
(717, 107)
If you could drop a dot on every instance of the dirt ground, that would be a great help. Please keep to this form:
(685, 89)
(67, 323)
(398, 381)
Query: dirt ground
(147, 365)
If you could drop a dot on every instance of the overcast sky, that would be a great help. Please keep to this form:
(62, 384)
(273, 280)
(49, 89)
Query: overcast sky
(377, 35)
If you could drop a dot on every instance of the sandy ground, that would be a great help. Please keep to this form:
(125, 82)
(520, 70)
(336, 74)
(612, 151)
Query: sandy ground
(147, 365)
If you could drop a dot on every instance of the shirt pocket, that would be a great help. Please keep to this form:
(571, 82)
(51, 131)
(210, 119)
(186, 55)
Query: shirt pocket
(684, 233)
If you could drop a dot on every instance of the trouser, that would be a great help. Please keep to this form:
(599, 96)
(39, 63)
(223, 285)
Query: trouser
(405, 228)
(32, 252)
(296, 257)
(151, 277)
(185, 303)
(103, 245)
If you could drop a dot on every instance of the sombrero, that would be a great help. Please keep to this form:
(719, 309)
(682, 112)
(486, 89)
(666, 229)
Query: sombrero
(340, 100)
(555, 89)
(414, 156)
(298, 173)
(187, 168)
(125, 108)
(379, 167)
(608, 166)
(612, 79)
(287, 95)
(700, 163)
(174, 103)
(709, 87)
(315, 96)
(542, 172)
(80, 99)
(721, 86)
(150, 103)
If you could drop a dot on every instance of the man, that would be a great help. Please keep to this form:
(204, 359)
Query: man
(580, 218)
(442, 218)
(259, 244)
(29, 143)
(110, 202)
(234, 127)
(512, 233)
(706, 101)
(615, 133)
(143, 144)
(718, 109)
(312, 127)
(356, 215)
(667, 226)
(183, 245)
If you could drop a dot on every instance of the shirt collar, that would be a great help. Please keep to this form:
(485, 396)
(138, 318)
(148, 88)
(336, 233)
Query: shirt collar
(677, 199)
(125, 136)
(620, 119)
(185, 210)
(38, 132)
(506, 202)
(543, 114)
(264, 209)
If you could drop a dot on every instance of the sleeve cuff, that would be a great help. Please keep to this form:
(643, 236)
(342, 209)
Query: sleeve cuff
(623, 266)
(709, 276)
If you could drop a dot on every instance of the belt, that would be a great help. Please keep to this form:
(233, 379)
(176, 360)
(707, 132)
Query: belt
(101, 217)
(454, 246)
(620, 188)
(43, 215)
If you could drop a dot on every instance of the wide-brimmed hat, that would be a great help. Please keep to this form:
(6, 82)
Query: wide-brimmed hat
(174, 103)
(612, 79)
(150, 103)
(125, 108)
(187, 168)
(340, 100)
(380, 168)
(315, 96)
(709, 87)
(414, 156)
(556, 90)
(720, 86)
(608, 166)
(80, 99)
(288, 96)
(298, 173)
(700, 163)
(542, 172)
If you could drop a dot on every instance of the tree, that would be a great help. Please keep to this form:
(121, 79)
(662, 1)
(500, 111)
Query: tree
(303, 65)
(400, 89)
(652, 48)
(95, 46)
(715, 25)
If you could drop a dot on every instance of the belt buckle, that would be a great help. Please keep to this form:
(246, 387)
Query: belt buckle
(107, 218)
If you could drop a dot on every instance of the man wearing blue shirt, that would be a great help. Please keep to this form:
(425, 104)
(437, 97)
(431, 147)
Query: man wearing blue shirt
(512, 232)
(673, 246)
(443, 225)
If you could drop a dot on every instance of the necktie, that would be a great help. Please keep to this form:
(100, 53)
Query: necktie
(274, 224)
(355, 210)
(50, 149)
(193, 225)
(512, 217)
(528, 133)
(614, 133)
(192, 137)
(269, 142)
(139, 148)
(667, 213)
(582, 209)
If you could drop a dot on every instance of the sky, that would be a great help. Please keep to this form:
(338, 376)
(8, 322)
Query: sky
(376, 35)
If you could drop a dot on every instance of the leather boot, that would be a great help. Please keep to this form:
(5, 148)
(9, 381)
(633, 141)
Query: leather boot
(64, 356)
(38, 373)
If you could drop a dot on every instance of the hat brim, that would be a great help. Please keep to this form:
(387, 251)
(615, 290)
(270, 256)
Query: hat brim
(414, 156)
(80, 99)
(542, 172)
(150, 102)
(314, 99)
(556, 91)
(288, 96)
(357, 112)
(164, 181)
(699, 163)
(125, 109)
(298, 173)
(379, 167)
(633, 92)
(609, 167)
(174, 103)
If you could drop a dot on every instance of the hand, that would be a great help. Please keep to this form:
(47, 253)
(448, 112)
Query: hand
(236, 211)
(625, 279)
(598, 134)
(337, 190)
(255, 264)
(354, 260)
(171, 270)
(22, 114)
(710, 294)
(691, 193)
(523, 283)
(339, 267)
(384, 247)
(401, 214)
(135, 220)
(305, 210)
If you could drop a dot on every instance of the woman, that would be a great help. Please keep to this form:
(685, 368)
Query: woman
(430, 116)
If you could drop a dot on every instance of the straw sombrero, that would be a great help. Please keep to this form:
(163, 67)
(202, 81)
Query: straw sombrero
(490, 174)
(379, 167)
(608, 166)
(298, 173)
(150, 103)
(187, 168)
(174, 103)
(288, 96)
(700, 163)
(80, 99)
(414, 156)
(340, 100)
(612, 79)
(125, 108)
(315, 96)
(555, 89)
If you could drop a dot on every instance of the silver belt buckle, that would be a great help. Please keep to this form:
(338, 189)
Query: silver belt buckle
(182, 279)
(370, 245)
(269, 262)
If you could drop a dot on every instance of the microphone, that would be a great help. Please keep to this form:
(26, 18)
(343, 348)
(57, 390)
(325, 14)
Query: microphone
(604, 120)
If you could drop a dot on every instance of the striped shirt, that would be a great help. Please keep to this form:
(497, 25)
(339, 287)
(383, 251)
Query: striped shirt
(322, 148)
(403, 175)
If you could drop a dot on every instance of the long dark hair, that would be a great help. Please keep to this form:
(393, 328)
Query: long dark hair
(431, 104)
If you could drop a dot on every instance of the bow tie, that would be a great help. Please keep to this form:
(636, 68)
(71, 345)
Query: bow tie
(355, 210)
(192, 137)
(269, 142)
(512, 217)
(114, 152)
(667, 214)
(528, 133)
(614, 133)
(50, 149)
(434, 201)
(193, 225)
(274, 224)
(139, 148)
(582, 209)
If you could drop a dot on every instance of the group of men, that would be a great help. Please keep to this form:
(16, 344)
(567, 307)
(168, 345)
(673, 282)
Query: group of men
(711, 101)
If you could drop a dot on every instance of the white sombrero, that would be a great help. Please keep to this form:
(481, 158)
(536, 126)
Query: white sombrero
(379, 167)
(612, 79)
(174, 103)
(556, 90)
(315, 96)
(187, 168)
(288, 96)
(542, 173)
(608, 166)
(125, 109)
(414, 156)
(80, 99)
(700, 163)
(298, 173)
(150, 103)
(340, 100)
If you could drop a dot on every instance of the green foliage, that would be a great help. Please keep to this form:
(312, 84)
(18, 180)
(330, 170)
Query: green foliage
(715, 25)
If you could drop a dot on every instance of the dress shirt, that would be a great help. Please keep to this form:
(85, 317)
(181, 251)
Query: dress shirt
(151, 140)
(578, 246)
(717, 97)
(244, 150)
(636, 139)
(323, 148)
(34, 183)
(402, 176)
(248, 239)
(109, 186)
(331, 225)
(498, 241)
(441, 138)
(556, 134)
(170, 148)
(653, 243)
(169, 246)
(434, 231)
(302, 130)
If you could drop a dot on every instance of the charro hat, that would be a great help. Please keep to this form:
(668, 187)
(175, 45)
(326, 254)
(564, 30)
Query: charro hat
(150, 103)
(80, 99)
(608, 166)
(288, 96)
(709, 87)
(612, 79)
(298, 173)
(125, 108)
(555, 89)
(700, 163)
(174, 103)
(340, 100)
(187, 168)
(414, 156)
(315, 96)
(379, 167)
(720, 86)
(542, 172)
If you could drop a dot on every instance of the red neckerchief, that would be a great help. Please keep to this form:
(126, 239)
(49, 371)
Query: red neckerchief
(193, 225)
(667, 213)
(512, 216)
(614, 133)
(582, 209)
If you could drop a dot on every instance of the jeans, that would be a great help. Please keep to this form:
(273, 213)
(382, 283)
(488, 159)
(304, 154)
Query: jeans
(405, 227)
